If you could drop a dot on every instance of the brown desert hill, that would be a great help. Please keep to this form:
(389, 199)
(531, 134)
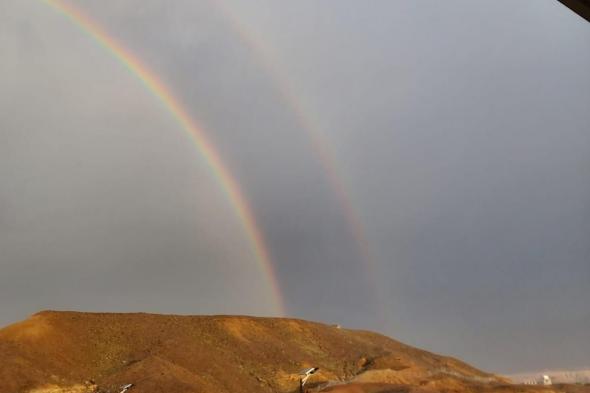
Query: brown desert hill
(217, 354)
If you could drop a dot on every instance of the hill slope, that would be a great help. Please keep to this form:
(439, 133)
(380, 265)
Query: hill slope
(218, 354)
(581, 376)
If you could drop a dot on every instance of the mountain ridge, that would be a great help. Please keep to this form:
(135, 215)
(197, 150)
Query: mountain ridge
(574, 375)
(98, 352)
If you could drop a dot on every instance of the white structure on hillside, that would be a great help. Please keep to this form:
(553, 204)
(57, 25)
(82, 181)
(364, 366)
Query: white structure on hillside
(547, 380)
(544, 380)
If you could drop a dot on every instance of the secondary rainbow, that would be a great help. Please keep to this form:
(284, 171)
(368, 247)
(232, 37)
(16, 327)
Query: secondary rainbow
(267, 60)
(227, 182)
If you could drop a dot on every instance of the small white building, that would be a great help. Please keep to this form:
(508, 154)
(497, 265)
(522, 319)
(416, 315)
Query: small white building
(547, 380)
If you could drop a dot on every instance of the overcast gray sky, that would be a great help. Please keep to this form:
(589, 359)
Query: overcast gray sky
(460, 129)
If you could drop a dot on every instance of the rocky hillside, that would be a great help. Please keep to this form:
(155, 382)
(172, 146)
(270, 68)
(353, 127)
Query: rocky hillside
(82, 352)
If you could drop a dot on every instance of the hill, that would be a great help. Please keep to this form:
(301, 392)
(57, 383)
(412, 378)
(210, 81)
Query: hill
(86, 352)
(580, 376)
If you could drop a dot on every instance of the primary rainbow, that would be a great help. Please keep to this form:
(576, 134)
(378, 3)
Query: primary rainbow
(172, 104)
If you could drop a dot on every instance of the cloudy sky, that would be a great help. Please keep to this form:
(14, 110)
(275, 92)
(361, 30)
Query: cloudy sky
(416, 168)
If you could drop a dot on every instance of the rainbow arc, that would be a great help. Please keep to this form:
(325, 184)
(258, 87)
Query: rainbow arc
(206, 148)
